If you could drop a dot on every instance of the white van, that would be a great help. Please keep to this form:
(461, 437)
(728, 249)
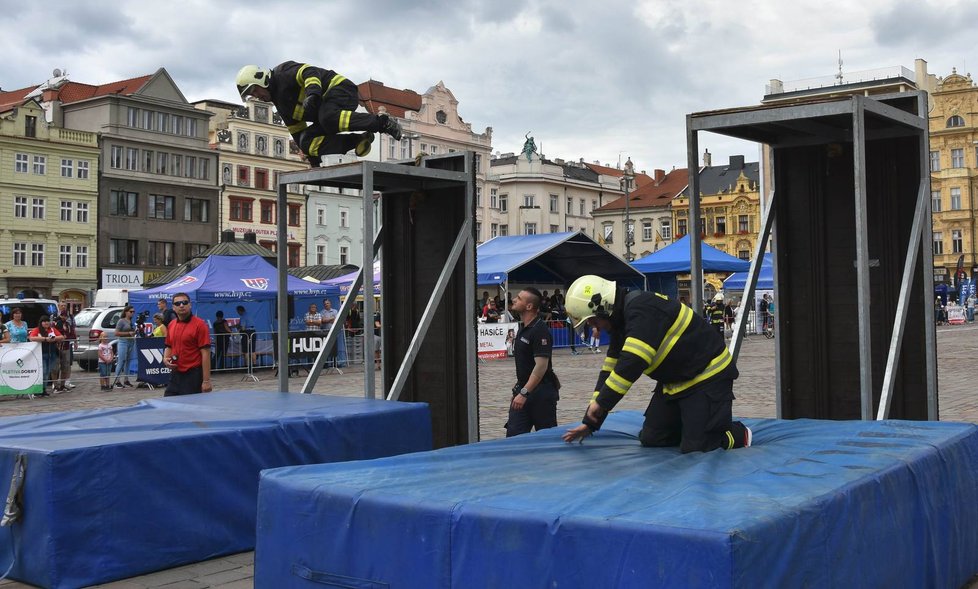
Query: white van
(32, 309)
(112, 297)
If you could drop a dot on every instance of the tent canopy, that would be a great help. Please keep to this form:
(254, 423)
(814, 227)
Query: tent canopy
(765, 279)
(551, 258)
(674, 258)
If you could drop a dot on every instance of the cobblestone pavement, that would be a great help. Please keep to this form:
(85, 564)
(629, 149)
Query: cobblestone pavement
(957, 365)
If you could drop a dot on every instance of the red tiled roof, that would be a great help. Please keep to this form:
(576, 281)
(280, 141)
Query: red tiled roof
(14, 98)
(640, 179)
(75, 91)
(652, 194)
(374, 94)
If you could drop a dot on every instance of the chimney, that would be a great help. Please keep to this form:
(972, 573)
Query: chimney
(249, 237)
(736, 162)
(707, 159)
(227, 236)
(660, 175)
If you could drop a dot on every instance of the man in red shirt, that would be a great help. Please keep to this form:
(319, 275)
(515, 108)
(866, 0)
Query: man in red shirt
(187, 351)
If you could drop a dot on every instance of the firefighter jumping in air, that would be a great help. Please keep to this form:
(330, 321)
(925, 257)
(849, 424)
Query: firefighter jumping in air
(654, 335)
(303, 94)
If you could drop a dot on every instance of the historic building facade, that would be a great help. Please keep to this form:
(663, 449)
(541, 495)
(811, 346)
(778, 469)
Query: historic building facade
(254, 148)
(649, 214)
(954, 176)
(49, 204)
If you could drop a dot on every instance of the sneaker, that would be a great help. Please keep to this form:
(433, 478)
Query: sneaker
(128, 384)
(740, 439)
(748, 437)
(363, 148)
(390, 126)
(69, 385)
(118, 385)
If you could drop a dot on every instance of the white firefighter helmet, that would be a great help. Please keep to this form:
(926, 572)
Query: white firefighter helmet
(250, 76)
(589, 296)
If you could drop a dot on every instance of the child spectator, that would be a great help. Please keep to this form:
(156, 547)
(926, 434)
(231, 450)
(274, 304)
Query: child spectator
(105, 358)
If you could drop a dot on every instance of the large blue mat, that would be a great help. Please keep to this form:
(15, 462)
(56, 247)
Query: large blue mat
(114, 493)
(811, 504)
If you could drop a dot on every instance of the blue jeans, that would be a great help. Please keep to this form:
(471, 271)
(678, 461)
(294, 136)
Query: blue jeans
(123, 353)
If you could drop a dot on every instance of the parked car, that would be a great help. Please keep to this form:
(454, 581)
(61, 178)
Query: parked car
(90, 323)
(32, 308)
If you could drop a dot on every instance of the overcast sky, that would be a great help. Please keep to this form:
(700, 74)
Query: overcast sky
(599, 80)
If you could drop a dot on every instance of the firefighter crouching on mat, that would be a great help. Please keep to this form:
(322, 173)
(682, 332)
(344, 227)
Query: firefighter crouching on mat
(655, 335)
(303, 93)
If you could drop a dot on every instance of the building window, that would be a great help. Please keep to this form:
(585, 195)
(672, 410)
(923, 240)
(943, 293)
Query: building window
(20, 207)
(493, 230)
(957, 158)
(148, 120)
(321, 255)
(20, 163)
(132, 159)
(553, 203)
(176, 164)
(205, 169)
(529, 228)
(161, 207)
(493, 198)
(344, 254)
(938, 243)
(434, 149)
(162, 161)
(123, 251)
(191, 167)
(580, 207)
(64, 256)
(478, 196)
(30, 126)
(196, 210)
(955, 121)
(478, 163)
(344, 217)
(320, 216)
(66, 210)
(115, 157)
(295, 214)
(608, 232)
(269, 244)
(743, 254)
(122, 203)
(665, 228)
(529, 201)
(67, 168)
(37, 208)
(192, 250)
(680, 227)
(20, 253)
(261, 178)
(241, 209)
(294, 253)
(503, 230)
(503, 202)
(81, 256)
(243, 174)
(177, 125)
(478, 231)
(148, 156)
(629, 232)
(162, 122)
(721, 226)
(646, 230)
(955, 199)
(555, 229)
(81, 212)
(40, 164)
(160, 253)
(957, 242)
(268, 211)
(37, 254)
(935, 161)
(743, 223)
(83, 169)
(132, 117)
(935, 201)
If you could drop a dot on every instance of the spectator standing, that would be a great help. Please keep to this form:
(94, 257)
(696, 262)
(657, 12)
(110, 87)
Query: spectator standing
(17, 328)
(105, 358)
(312, 318)
(168, 314)
(187, 351)
(49, 338)
(222, 331)
(971, 308)
(125, 332)
(327, 318)
(65, 323)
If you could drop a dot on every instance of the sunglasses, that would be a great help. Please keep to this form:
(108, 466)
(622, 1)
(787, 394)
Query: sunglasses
(180, 303)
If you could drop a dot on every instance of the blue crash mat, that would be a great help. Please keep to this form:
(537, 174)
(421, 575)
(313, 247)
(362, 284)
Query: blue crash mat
(811, 504)
(115, 493)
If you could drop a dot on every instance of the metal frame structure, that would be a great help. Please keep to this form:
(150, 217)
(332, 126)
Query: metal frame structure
(902, 114)
(391, 180)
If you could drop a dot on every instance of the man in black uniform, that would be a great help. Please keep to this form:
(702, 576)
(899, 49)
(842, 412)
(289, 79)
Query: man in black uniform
(715, 311)
(535, 395)
(655, 335)
(305, 93)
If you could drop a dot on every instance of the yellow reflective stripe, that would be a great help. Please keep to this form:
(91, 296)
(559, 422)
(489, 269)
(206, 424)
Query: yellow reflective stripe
(312, 82)
(298, 111)
(639, 348)
(296, 127)
(730, 441)
(672, 336)
(336, 80)
(594, 397)
(345, 120)
(609, 364)
(716, 366)
(298, 74)
(314, 146)
(617, 383)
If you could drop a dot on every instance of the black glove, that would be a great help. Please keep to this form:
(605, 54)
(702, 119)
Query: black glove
(311, 103)
(594, 423)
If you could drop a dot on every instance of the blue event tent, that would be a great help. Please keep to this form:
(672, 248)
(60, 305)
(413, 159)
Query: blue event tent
(765, 279)
(674, 258)
(550, 258)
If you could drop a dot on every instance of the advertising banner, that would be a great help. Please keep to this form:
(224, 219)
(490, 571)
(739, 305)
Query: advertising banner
(149, 357)
(20, 369)
(496, 339)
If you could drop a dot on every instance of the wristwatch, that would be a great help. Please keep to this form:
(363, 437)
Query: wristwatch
(524, 392)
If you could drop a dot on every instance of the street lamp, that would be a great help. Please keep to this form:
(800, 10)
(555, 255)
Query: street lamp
(626, 183)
